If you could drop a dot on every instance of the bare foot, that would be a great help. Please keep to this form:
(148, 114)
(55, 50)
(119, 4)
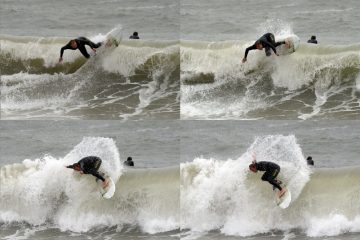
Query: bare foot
(287, 43)
(105, 184)
(282, 192)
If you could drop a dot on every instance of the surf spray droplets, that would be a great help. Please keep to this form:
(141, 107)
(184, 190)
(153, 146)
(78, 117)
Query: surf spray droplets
(223, 195)
(317, 81)
(44, 192)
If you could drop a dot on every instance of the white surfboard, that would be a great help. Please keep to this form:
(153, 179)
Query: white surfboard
(285, 200)
(283, 49)
(112, 42)
(108, 191)
(113, 38)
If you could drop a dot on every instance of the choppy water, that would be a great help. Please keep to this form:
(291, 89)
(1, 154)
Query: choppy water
(40, 198)
(187, 65)
(137, 80)
(222, 199)
(316, 82)
(211, 196)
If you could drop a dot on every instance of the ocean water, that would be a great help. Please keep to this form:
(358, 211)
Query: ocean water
(191, 178)
(316, 82)
(41, 199)
(136, 80)
(210, 196)
(222, 199)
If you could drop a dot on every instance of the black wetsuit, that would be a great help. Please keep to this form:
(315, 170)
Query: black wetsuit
(91, 165)
(129, 163)
(310, 161)
(134, 37)
(81, 42)
(312, 41)
(268, 42)
(271, 171)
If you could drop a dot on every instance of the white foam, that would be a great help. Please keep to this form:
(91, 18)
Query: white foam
(332, 225)
(239, 90)
(223, 194)
(43, 191)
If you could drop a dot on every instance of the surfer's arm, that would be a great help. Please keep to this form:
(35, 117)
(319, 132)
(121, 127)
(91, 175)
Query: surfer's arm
(67, 46)
(253, 47)
(91, 44)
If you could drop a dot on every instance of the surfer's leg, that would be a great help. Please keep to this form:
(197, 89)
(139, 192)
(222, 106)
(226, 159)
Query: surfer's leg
(270, 177)
(268, 51)
(83, 51)
(97, 164)
(271, 39)
(279, 43)
(274, 176)
(97, 45)
(275, 184)
(276, 44)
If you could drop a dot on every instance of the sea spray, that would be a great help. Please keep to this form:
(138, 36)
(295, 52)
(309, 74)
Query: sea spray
(316, 81)
(43, 192)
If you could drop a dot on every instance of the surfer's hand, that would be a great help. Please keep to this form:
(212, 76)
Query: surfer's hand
(244, 60)
(94, 50)
(60, 60)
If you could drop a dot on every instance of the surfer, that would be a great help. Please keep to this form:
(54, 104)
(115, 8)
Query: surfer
(271, 171)
(79, 43)
(135, 36)
(89, 165)
(310, 161)
(267, 41)
(312, 40)
(129, 162)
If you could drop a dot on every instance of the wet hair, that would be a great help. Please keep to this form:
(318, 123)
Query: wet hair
(135, 34)
(252, 166)
(72, 42)
(258, 44)
(129, 159)
(313, 37)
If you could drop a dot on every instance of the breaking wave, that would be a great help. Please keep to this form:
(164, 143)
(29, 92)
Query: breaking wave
(317, 81)
(223, 195)
(43, 192)
(138, 79)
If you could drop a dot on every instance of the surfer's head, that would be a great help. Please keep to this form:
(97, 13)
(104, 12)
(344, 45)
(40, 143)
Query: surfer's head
(135, 34)
(252, 167)
(73, 44)
(258, 45)
(313, 37)
(75, 166)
